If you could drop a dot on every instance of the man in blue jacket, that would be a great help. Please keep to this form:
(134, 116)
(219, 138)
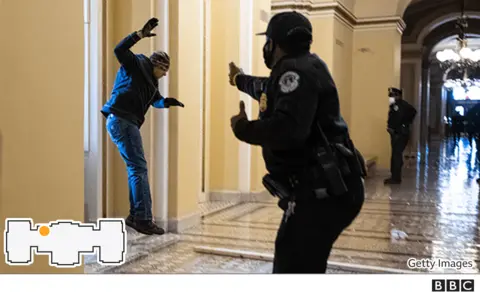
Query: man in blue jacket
(134, 91)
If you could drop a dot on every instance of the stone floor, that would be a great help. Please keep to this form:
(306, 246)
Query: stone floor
(437, 206)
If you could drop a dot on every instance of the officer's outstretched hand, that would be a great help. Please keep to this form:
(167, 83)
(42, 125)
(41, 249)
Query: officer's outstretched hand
(234, 71)
(170, 102)
(241, 115)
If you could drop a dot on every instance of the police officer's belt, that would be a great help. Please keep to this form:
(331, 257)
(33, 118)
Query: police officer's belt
(315, 180)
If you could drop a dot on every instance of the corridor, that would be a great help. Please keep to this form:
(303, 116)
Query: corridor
(437, 206)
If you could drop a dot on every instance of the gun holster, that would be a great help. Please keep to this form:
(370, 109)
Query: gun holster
(349, 159)
(277, 189)
(331, 170)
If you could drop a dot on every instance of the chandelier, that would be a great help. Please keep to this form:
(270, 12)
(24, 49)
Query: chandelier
(463, 56)
(463, 83)
(461, 64)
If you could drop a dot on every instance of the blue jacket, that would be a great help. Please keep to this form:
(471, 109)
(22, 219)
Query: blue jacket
(135, 88)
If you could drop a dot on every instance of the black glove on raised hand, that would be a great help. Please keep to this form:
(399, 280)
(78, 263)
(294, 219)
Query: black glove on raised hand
(148, 27)
(169, 102)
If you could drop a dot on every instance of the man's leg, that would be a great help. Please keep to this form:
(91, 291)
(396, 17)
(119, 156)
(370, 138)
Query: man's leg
(398, 146)
(393, 160)
(128, 139)
(302, 245)
(477, 154)
(283, 250)
(477, 145)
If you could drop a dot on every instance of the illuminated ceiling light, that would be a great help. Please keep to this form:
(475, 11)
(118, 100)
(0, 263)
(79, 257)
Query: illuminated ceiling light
(465, 83)
(466, 53)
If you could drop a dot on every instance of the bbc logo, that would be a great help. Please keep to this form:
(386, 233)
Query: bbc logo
(453, 285)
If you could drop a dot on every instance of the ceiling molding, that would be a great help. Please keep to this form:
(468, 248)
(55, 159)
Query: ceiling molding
(342, 13)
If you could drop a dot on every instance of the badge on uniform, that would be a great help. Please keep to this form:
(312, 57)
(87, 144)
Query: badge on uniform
(289, 82)
(263, 102)
(395, 107)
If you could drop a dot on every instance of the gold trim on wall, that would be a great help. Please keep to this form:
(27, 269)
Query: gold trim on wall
(342, 13)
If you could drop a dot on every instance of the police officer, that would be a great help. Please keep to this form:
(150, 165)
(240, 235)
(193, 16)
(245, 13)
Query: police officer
(473, 120)
(400, 117)
(299, 107)
(458, 126)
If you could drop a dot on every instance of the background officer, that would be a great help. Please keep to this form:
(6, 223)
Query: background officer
(400, 117)
(473, 120)
(458, 126)
(296, 99)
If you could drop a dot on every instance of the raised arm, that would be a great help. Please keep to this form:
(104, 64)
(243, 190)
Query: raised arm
(253, 86)
(410, 113)
(122, 51)
(290, 124)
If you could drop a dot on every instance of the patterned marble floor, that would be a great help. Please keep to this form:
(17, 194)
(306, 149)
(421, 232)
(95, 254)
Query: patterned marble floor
(437, 206)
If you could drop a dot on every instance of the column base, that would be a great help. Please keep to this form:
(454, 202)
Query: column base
(239, 196)
(179, 225)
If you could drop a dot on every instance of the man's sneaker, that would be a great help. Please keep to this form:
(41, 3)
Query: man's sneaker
(147, 227)
(391, 181)
(129, 221)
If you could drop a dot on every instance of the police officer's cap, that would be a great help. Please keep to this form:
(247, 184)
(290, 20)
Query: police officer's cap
(394, 92)
(285, 25)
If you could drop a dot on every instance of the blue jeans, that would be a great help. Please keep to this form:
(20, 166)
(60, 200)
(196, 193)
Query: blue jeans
(127, 138)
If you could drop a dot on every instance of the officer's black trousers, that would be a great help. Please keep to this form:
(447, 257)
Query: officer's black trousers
(304, 241)
(399, 143)
(477, 144)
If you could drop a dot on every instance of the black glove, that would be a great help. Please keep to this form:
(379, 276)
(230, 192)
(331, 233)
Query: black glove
(169, 102)
(241, 115)
(148, 27)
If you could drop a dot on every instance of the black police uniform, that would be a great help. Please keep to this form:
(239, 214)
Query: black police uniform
(300, 93)
(473, 120)
(458, 126)
(400, 117)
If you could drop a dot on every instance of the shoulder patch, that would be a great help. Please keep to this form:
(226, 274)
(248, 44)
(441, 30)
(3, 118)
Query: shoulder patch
(289, 81)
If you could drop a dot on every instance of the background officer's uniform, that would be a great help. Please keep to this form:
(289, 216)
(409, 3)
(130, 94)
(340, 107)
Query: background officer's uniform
(400, 117)
(299, 93)
(473, 120)
(458, 126)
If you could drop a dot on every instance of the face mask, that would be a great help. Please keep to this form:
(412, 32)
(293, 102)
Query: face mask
(268, 54)
(391, 100)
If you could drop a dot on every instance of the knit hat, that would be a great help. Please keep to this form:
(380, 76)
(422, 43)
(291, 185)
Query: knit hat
(160, 59)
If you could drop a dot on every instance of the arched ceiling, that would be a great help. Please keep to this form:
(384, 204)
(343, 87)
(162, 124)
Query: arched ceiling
(422, 16)
(447, 30)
